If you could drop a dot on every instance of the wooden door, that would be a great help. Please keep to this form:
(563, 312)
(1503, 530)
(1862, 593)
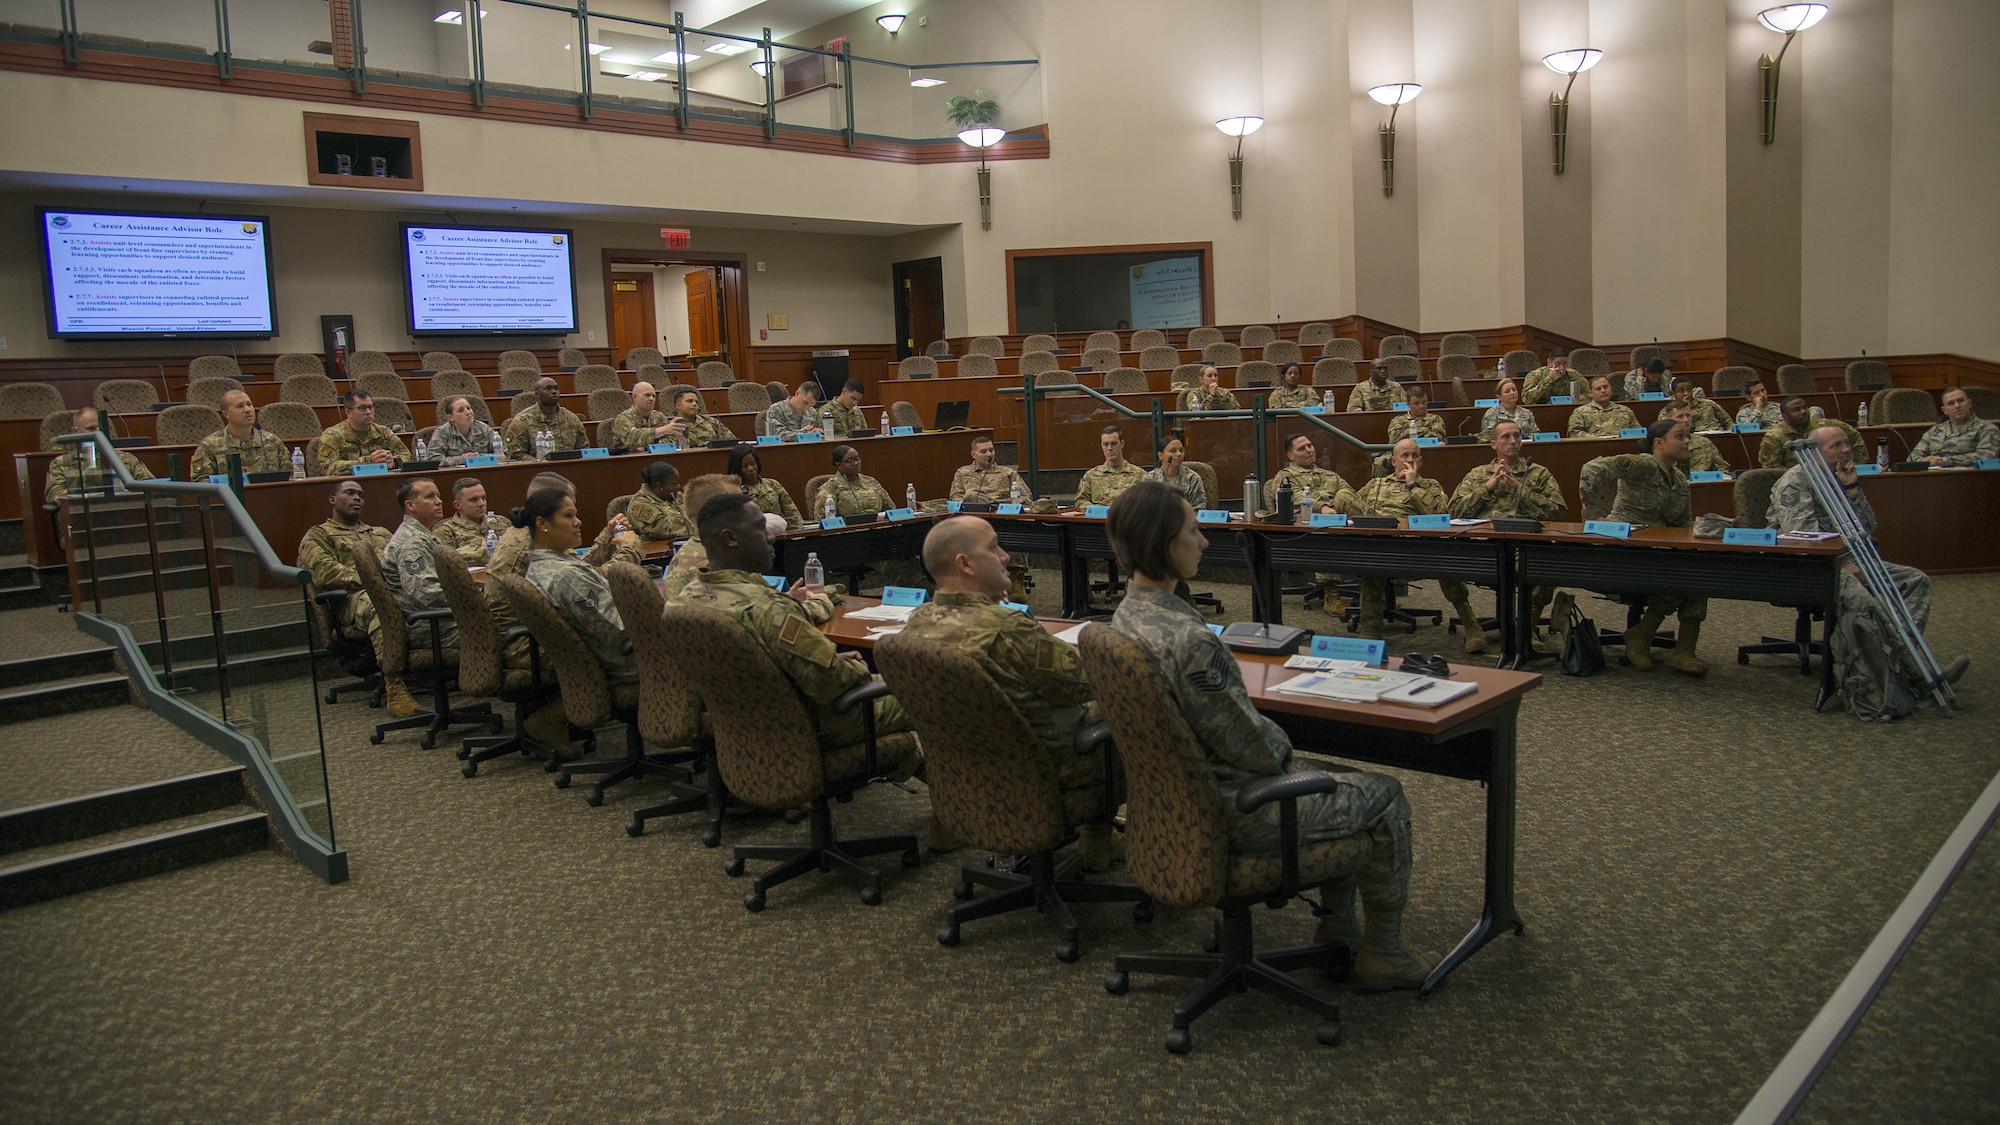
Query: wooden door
(923, 298)
(634, 323)
(704, 316)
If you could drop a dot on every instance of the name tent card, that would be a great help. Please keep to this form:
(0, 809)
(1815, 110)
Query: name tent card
(1098, 511)
(1707, 475)
(1430, 523)
(1399, 406)
(1547, 435)
(1211, 515)
(1652, 396)
(1315, 408)
(1616, 529)
(811, 435)
(1868, 469)
(369, 469)
(1748, 428)
(768, 439)
(903, 595)
(1751, 536)
(1017, 606)
(1327, 519)
(1632, 431)
(901, 431)
(952, 506)
(1987, 463)
(1561, 400)
(1485, 402)
(899, 514)
(832, 522)
(1007, 509)
(1426, 441)
(656, 447)
(591, 453)
(1216, 629)
(218, 478)
(778, 582)
(1350, 648)
(481, 460)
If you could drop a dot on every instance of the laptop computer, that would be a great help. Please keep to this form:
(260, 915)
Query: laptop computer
(952, 415)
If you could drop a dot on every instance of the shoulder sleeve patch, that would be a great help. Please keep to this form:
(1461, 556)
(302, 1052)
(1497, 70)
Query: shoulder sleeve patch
(1212, 676)
(789, 632)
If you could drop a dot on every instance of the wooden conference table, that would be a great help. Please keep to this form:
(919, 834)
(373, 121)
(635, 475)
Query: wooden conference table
(1472, 738)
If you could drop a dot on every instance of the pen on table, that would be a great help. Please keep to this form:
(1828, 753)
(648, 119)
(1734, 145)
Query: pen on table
(1420, 689)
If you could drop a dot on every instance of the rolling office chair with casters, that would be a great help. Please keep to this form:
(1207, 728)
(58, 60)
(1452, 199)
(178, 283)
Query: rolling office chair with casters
(1458, 343)
(481, 671)
(1396, 345)
(1341, 347)
(977, 364)
(1255, 336)
(1222, 354)
(597, 377)
(638, 357)
(917, 367)
(310, 388)
(770, 755)
(1146, 338)
(445, 361)
(1590, 361)
(520, 359)
(606, 404)
(1206, 599)
(748, 398)
(381, 384)
(1597, 492)
(992, 785)
(986, 345)
(297, 363)
(352, 652)
(1178, 847)
(1517, 363)
(1199, 338)
(669, 712)
(430, 662)
(714, 373)
(1103, 340)
(1753, 508)
(567, 359)
(1157, 358)
(1039, 342)
(1282, 352)
(1314, 333)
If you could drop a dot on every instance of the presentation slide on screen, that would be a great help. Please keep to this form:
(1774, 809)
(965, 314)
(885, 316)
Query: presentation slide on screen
(489, 280)
(1167, 293)
(157, 275)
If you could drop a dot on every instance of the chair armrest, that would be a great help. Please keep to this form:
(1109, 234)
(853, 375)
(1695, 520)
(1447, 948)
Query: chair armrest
(330, 598)
(854, 697)
(514, 634)
(416, 615)
(1093, 736)
(1285, 787)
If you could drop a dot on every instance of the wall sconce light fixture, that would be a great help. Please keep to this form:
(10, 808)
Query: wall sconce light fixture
(761, 66)
(1787, 20)
(1394, 95)
(891, 24)
(983, 137)
(1238, 127)
(1572, 63)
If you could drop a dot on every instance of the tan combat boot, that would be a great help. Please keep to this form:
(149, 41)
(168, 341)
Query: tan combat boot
(1639, 641)
(396, 698)
(1381, 963)
(1538, 601)
(1334, 605)
(1682, 659)
(1475, 633)
(1372, 600)
(550, 727)
(1099, 845)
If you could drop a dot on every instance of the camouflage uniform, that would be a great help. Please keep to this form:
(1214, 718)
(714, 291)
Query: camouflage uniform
(1638, 382)
(839, 421)
(692, 558)
(327, 553)
(1536, 497)
(1768, 417)
(1102, 484)
(787, 635)
(1241, 744)
(1704, 457)
(774, 499)
(262, 453)
(1288, 398)
(1187, 482)
(781, 419)
(564, 425)
(1795, 508)
(1367, 396)
(1040, 674)
(1592, 420)
(67, 474)
(993, 484)
(632, 432)
(1959, 445)
(1650, 492)
(1773, 454)
(1217, 399)
(1541, 384)
(410, 570)
(339, 448)
(466, 539)
(582, 598)
(852, 497)
(510, 556)
(655, 519)
(1708, 416)
(1390, 497)
(1410, 426)
(702, 431)
(1326, 486)
(1521, 416)
(451, 448)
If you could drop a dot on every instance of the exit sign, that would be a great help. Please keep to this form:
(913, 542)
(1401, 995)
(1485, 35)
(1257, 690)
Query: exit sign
(675, 238)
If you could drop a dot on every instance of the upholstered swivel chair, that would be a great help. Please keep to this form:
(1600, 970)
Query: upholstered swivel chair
(669, 712)
(1458, 343)
(209, 389)
(212, 366)
(297, 363)
(443, 361)
(349, 649)
(1221, 354)
(1797, 379)
(447, 383)
(520, 358)
(310, 388)
(1255, 335)
(1282, 352)
(370, 363)
(1102, 340)
(1647, 353)
(1753, 508)
(1039, 342)
(638, 356)
(1334, 371)
(382, 384)
(1256, 373)
(430, 662)
(593, 377)
(1146, 338)
(986, 345)
(605, 404)
(1126, 381)
(1597, 492)
(748, 397)
(185, 424)
(1102, 359)
(1340, 347)
(1199, 338)
(1590, 361)
(124, 396)
(714, 373)
(1314, 333)
(1730, 381)
(517, 379)
(481, 671)
(1185, 375)
(977, 364)
(1396, 345)
(290, 422)
(917, 367)
(1519, 362)
(1457, 367)
(1403, 368)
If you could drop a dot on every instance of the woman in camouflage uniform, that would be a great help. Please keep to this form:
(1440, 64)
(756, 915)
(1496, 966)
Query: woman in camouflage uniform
(770, 497)
(1652, 490)
(853, 492)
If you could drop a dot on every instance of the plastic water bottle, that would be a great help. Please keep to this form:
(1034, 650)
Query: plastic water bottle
(88, 452)
(423, 454)
(814, 574)
(910, 496)
(1882, 455)
(1014, 491)
(499, 448)
(1861, 416)
(1250, 504)
(492, 542)
(885, 422)
(1305, 505)
(1326, 400)
(298, 463)
(832, 509)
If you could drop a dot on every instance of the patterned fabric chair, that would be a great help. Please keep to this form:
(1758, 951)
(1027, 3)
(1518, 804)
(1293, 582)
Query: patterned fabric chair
(208, 391)
(1900, 405)
(1256, 373)
(1459, 343)
(917, 367)
(597, 377)
(482, 672)
(55, 425)
(214, 366)
(650, 373)
(1159, 358)
(671, 392)
(479, 409)
(1396, 345)
(1038, 362)
(1198, 338)
(1314, 333)
(382, 384)
(1519, 362)
(521, 404)
(1102, 359)
(607, 403)
(1126, 381)
(394, 413)
(517, 378)
(937, 348)
(1106, 340)
(670, 712)
(1868, 375)
(1730, 380)
(1590, 361)
(185, 424)
(1255, 336)
(1796, 379)
(905, 414)
(1985, 401)
(290, 421)
(449, 382)
(1282, 352)
(1039, 342)
(1178, 846)
(1753, 508)
(769, 754)
(311, 388)
(297, 363)
(977, 363)
(124, 396)
(1404, 368)
(775, 391)
(440, 361)
(714, 373)
(1457, 367)
(1340, 347)
(370, 363)
(1221, 354)
(429, 661)
(639, 356)
(986, 345)
(992, 785)
(1185, 375)
(748, 396)
(569, 359)
(1459, 395)
(1147, 338)
(1647, 353)
(520, 357)
(1333, 373)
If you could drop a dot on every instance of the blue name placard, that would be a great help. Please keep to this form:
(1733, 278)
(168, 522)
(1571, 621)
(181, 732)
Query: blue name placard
(662, 447)
(1748, 428)
(1327, 519)
(1098, 511)
(1350, 648)
(899, 514)
(1632, 431)
(768, 439)
(1430, 523)
(1651, 396)
(218, 478)
(1007, 509)
(481, 460)
(1216, 629)
(1399, 406)
(1547, 435)
(901, 431)
(1017, 606)
(1561, 400)
(369, 468)
(1616, 529)
(592, 452)
(1868, 469)
(1751, 536)
(1315, 408)
(811, 435)
(1987, 463)
(904, 595)
(832, 522)
(1707, 475)
(952, 505)
(1426, 441)
(1211, 515)
(778, 582)
(1485, 402)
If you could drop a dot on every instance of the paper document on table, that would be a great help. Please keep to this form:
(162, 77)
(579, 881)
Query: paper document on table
(1430, 693)
(1355, 685)
(1809, 536)
(882, 613)
(879, 631)
(1072, 633)
(1323, 664)
(1468, 523)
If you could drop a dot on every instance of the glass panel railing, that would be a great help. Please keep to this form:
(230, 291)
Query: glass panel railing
(171, 26)
(293, 34)
(1016, 88)
(32, 16)
(528, 50)
(405, 40)
(811, 93)
(633, 63)
(885, 103)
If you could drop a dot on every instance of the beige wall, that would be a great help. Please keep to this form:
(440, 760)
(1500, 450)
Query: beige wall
(1837, 80)
(1555, 210)
(1381, 48)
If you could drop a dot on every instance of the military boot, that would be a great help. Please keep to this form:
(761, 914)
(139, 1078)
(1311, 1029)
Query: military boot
(1682, 659)
(1381, 963)
(550, 727)
(396, 698)
(1338, 926)
(1099, 845)
(1369, 624)
(1475, 633)
(1538, 601)
(1334, 605)
(1639, 641)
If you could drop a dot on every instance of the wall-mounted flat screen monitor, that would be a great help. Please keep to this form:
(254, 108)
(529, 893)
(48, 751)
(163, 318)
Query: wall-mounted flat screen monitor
(489, 281)
(131, 275)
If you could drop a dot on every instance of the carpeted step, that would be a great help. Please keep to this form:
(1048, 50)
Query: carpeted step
(131, 854)
(54, 823)
(21, 588)
(74, 693)
(61, 666)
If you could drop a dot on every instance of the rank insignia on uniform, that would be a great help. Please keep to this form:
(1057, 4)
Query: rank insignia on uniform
(1213, 678)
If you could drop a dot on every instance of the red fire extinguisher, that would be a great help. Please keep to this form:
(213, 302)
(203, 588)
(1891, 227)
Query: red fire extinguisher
(340, 350)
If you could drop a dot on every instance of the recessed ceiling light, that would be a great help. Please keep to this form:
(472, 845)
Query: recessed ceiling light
(598, 48)
(456, 17)
(646, 75)
(673, 57)
(728, 47)
(922, 83)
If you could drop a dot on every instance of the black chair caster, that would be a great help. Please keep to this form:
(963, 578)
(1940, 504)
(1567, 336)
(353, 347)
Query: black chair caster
(1180, 1041)
(1142, 911)
(948, 936)
(963, 891)
(732, 868)
(711, 838)
(871, 896)
(428, 741)
(376, 738)
(912, 858)
(562, 781)
(1328, 1033)
(635, 828)
(1068, 951)
(470, 769)
(1117, 983)
(594, 798)
(754, 902)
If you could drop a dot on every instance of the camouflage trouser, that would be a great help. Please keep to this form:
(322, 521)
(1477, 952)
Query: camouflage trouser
(1453, 590)
(1365, 802)
(419, 634)
(357, 615)
(890, 718)
(1688, 608)
(1913, 585)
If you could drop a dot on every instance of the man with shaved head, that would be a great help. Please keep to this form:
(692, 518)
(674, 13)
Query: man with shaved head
(547, 413)
(637, 429)
(1040, 674)
(1406, 491)
(261, 452)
